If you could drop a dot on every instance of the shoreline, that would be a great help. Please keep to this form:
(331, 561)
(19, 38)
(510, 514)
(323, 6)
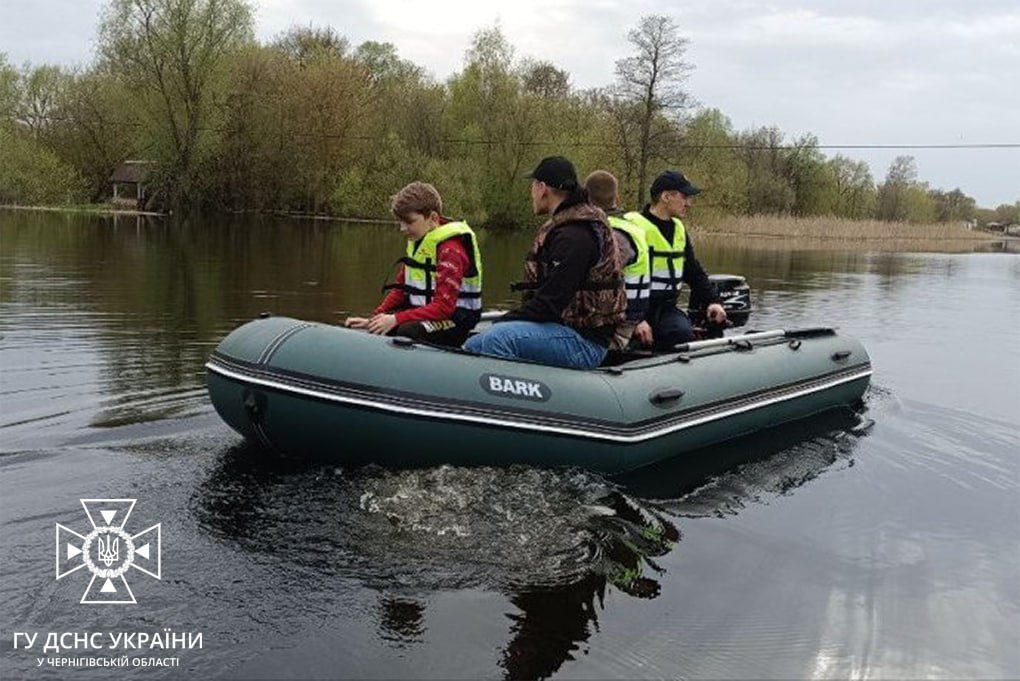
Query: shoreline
(102, 209)
(97, 209)
(794, 232)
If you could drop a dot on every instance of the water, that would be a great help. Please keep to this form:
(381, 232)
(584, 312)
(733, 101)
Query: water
(817, 550)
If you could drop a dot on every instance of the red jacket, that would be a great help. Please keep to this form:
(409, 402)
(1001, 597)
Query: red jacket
(453, 262)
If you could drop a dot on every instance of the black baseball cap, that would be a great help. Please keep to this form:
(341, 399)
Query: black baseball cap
(673, 180)
(557, 172)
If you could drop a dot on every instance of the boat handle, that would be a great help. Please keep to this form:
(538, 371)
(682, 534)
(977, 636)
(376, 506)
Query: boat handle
(840, 354)
(661, 397)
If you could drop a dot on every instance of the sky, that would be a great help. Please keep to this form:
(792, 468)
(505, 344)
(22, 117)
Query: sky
(868, 72)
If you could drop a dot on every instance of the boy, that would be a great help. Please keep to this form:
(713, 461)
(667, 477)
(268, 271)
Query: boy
(437, 297)
(603, 189)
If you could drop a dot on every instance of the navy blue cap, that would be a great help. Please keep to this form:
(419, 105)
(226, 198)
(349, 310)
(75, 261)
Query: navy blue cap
(673, 180)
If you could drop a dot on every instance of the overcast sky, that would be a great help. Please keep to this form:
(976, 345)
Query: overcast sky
(917, 72)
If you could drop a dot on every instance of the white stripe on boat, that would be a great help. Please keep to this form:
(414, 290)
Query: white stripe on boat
(435, 414)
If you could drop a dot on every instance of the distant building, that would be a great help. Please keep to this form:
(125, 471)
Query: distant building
(130, 181)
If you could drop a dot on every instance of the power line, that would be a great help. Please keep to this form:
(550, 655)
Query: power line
(578, 144)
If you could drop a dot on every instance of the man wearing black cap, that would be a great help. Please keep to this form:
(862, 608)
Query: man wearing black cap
(573, 289)
(673, 263)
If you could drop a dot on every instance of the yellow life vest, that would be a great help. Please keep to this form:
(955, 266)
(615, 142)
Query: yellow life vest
(667, 259)
(636, 275)
(421, 262)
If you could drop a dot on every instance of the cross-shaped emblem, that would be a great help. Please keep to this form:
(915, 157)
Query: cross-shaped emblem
(108, 551)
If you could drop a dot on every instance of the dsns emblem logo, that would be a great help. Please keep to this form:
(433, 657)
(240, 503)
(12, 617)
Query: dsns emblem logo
(108, 551)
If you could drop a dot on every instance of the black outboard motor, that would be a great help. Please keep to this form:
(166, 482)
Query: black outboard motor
(735, 295)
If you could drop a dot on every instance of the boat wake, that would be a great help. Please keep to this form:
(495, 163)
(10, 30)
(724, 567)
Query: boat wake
(438, 528)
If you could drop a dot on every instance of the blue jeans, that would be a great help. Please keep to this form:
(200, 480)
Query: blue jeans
(671, 327)
(546, 342)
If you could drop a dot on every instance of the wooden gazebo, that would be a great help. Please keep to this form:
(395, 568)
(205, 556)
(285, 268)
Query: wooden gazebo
(129, 182)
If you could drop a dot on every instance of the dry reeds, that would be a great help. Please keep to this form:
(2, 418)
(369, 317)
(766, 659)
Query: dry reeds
(841, 233)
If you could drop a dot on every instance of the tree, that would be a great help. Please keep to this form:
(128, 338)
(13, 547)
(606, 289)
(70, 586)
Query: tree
(892, 194)
(813, 186)
(498, 127)
(172, 52)
(767, 186)
(649, 85)
(31, 174)
(93, 130)
(710, 161)
(8, 91)
(855, 188)
(303, 43)
(953, 206)
(41, 91)
(544, 80)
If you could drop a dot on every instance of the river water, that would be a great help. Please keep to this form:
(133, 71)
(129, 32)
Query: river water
(819, 550)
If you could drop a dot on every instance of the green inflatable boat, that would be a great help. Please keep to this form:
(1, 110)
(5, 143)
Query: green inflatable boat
(350, 397)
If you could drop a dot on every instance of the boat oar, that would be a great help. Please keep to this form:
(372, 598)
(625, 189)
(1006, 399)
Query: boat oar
(758, 335)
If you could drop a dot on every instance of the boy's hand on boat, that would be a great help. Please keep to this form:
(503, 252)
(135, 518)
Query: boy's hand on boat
(381, 323)
(356, 322)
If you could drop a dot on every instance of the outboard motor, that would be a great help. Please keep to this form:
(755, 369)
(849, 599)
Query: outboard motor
(734, 294)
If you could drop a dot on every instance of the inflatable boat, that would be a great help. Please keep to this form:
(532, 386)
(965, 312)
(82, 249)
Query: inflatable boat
(349, 397)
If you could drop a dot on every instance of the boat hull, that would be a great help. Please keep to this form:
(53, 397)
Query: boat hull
(352, 398)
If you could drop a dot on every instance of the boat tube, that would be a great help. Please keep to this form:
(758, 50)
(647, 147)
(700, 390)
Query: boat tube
(350, 397)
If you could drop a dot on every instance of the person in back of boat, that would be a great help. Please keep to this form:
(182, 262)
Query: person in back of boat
(437, 297)
(672, 264)
(603, 189)
(573, 290)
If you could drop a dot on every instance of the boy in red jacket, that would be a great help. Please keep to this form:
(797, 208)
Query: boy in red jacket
(437, 296)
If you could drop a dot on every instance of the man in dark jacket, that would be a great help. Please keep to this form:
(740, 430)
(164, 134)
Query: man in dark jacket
(673, 263)
(574, 295)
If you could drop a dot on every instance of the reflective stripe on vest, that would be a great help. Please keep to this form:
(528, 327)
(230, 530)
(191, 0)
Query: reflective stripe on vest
(637, 275)
(420, 267)
(667, 258)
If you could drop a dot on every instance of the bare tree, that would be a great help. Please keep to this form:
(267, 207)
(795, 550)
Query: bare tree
(650, 85)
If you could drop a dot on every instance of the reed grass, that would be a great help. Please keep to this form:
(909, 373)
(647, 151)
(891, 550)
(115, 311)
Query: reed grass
(832, 232)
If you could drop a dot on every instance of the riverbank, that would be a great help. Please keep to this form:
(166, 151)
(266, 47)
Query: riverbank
(766, 231)
(86, 208)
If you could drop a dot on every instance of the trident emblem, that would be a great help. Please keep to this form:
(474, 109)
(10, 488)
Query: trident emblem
(108, 551)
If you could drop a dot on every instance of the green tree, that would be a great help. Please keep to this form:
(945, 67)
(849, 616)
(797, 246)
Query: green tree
(953, 206)
(31, 174)
(708, 158)
(895, 196)
(172, 54)
(813, 184)
(303, 43)
(545, 80)
(855, 188)
(767, 186)
(8, 91)
(93, 128)
(497, 128)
